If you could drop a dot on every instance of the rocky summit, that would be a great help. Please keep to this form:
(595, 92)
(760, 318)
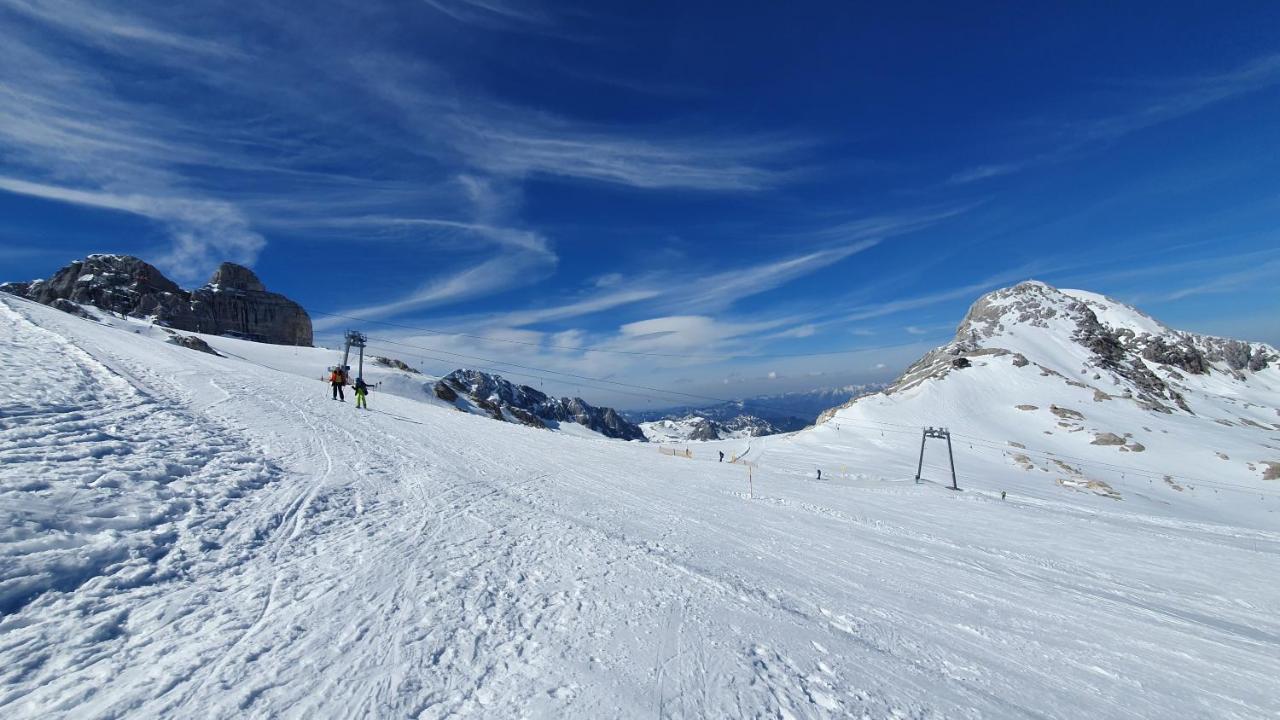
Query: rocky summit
(233, 302)
(483, 393)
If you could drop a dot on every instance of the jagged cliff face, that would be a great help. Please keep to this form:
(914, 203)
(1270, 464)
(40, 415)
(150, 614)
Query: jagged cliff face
(506, 401)
(234, 301)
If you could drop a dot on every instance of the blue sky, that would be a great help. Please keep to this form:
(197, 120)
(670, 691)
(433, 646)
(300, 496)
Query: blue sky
(760, 198)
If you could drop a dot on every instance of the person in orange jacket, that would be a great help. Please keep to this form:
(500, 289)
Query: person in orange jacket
(337, 379)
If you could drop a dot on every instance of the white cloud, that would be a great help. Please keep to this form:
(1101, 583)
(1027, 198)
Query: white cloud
(982, 172)
(204, 232)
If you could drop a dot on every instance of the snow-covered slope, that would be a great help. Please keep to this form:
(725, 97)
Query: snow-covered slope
(188, 535)
(1045, 387)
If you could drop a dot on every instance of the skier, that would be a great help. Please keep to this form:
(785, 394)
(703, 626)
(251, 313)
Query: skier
(721, 456)
(819, 473)
(337, 379)
(1001, 494)
(362, 390)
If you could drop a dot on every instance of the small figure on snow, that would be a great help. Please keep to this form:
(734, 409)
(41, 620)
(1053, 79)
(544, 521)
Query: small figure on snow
(721, 456)
(819, 473)
(337, 379)
(362, 390)
(1001, 494)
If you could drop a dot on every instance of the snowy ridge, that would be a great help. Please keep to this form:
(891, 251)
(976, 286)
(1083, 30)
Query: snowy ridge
(482, 393)
(293, 558)
(1072, 387)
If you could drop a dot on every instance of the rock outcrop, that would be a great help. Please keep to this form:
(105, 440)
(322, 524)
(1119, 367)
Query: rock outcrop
(1145, 360)
(506, 401)
(395, 364)
(233, 302)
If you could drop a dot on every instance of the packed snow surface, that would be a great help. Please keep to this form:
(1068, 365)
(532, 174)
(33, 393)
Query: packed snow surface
(196, 536)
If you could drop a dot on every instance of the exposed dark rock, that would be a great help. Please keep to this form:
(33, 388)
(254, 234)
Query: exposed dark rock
(704, 429)
(69, 307)
(445, 392)
(396, 364)
(1184, 356)
(1259, 360)
(1066, 413)
(234, 302)
(501, 398)
(960, 363)
(193, 343)
(236, 277)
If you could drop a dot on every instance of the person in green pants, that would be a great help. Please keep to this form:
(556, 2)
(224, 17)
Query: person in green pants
(362, 390)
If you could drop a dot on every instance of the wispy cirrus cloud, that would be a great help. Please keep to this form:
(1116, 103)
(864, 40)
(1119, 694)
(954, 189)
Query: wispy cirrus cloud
(560, 149)
(204, 232)
(105, 105)
(494, 14)
(1170, 100)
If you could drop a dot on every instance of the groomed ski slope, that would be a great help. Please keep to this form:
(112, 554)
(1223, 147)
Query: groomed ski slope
(192, 536)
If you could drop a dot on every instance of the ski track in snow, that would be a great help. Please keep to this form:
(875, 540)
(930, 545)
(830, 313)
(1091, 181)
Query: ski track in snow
(205, 537)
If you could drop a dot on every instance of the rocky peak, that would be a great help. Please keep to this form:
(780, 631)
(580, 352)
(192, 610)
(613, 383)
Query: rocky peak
(1125, 350)
(235, 302)
(504, 400)
(230, 276)
(1031, 303)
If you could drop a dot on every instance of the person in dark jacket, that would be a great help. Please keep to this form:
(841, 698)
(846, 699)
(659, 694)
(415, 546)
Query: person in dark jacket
(362, 390)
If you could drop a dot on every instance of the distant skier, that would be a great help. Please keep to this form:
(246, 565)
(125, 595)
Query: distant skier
(1001, 494)
(337, 379)
(362, 390)
(819, 473)
(721, 456)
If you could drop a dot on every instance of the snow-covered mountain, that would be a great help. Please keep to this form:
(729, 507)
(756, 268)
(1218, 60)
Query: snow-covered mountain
(697, 428)
(493, 396)
(1080, 390)
(191, 534)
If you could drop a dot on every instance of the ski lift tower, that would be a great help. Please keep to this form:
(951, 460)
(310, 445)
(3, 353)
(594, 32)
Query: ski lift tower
(939, 434)
(355, 339)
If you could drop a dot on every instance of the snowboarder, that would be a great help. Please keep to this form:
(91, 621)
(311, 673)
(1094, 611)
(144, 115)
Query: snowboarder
(721, 456)
(362, 390)
(337, 379)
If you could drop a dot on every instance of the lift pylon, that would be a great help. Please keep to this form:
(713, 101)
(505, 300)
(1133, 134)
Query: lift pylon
(355, 339)
(940, 434)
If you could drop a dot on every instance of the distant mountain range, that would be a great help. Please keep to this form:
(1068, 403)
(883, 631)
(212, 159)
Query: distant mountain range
(749, 417)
